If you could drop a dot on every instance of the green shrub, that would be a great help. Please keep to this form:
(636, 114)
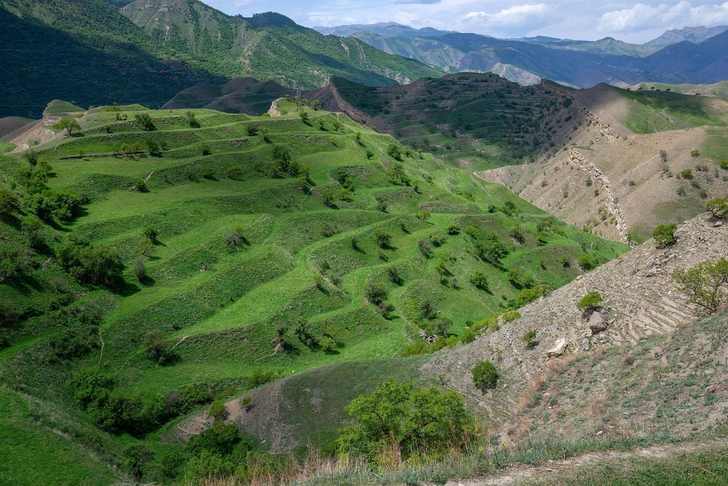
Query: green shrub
(485, 376)
(530, 339)
(404, 418)
(217, 411)
(590, 302)
(479, 280)
(664, 235)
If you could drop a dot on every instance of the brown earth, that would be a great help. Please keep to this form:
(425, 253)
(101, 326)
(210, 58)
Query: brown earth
(636, 189)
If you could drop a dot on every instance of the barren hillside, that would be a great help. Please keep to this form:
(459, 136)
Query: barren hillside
(618, 183)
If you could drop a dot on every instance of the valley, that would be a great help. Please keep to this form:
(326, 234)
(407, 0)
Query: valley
(235, 250)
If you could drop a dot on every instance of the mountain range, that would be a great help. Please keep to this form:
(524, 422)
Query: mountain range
(150, 50)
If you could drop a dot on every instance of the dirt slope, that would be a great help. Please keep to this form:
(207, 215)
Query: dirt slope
(615, 182)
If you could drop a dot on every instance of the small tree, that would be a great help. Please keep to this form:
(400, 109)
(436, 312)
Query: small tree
(304, 117)
(423, 215)
(398, 420)
(718, 207)
(9, 203)
(192, 120)
(153, 345)
(664, 235)
(590, 302)
(140, 270)
(479, 280)
(376, 294)
(485, 376)
(145, 122)
(382, 238)
(703, 285)
(327, 196)
(394, 151)
(217, 411)
(70, 125)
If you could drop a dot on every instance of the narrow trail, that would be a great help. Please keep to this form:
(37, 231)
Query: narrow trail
(551, 469)
(578, 159)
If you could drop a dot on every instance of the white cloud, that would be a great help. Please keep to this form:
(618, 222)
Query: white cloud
(662, 16)
(517, 15)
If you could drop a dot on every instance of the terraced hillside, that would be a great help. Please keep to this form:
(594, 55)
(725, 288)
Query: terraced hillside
(471, 120)
(159, 259)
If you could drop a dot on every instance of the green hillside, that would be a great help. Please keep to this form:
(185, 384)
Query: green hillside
(98, 56)
(471, 120)
(150, 271)
(268, 46)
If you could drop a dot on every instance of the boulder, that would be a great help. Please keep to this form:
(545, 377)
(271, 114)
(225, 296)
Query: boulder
(558, 348)
(597, 323)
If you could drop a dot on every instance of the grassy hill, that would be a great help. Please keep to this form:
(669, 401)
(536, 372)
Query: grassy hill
(258, 266)
(470, 120)
(268, 46)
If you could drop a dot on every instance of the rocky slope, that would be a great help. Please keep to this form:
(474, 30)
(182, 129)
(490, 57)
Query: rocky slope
(640, 300)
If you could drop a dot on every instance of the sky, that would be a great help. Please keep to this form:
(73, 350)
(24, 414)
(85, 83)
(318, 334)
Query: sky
(572, 19)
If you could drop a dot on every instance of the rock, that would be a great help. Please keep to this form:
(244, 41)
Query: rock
(597, 323)
(585, 344)
(718, 224)
(558, 348)
(711, 389)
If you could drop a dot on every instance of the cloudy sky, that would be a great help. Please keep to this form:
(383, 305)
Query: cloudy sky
(573, 19)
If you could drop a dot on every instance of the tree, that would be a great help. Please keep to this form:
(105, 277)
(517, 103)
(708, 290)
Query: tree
(382, 238)
(423, 215)
(9, 203)
(70, 125)
(376, 294)
(139, 269)
(327, 195)
(479, 280)
(155, 149)
(718, 207)
(399, 420)
(703, 285)
(485, 376)
(304, 117)
(394, 151)
(144, 122)
(153, 345)
(192, 120)
(664, 235)
(530, 339)
(590, 302)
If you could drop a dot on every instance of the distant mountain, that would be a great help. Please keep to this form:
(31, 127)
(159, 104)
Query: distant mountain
(574, 63)
(91, 52)
(608, 45)
(83, 50)
(389, 29)
(267, 46)
(691, 34)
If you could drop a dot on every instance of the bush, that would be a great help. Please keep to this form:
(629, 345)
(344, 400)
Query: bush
(724, 164)
(217, 411)
(703, 285)
(376, 294)
(586, 263)
(530, 339)
(145, 122)
(139, 269)
(485, 376)
(718, 207)
(9, 203)
(590, 302)
(479, 280)
(664, 235)
(404, 420)
(394, 151)
(382, 238)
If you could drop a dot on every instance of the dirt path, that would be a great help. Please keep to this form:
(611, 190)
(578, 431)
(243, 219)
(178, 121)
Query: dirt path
(543, 471)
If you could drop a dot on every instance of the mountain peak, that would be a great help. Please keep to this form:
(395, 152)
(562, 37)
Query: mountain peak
(691, 34)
